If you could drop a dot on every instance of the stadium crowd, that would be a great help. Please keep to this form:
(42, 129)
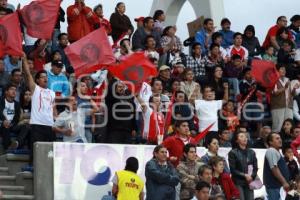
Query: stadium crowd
(210, 91)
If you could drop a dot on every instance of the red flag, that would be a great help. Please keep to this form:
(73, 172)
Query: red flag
(91, 51)
(264, 73)
(40, 17)
(169, 113)
(135, 69)
(202, 134)
(10, 36)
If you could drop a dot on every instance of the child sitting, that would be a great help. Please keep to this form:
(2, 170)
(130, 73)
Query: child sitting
(269, 55)
(290, 161)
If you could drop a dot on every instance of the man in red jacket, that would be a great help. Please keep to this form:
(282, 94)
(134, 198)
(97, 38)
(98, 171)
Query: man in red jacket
(81, 20)
(175, 144)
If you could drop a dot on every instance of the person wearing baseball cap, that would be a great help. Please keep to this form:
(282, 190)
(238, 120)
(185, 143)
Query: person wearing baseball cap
(139, 21)
(57, 81)
(165, 77)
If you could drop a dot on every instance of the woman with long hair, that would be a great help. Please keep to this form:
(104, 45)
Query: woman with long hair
(243, 165)
(286, 131)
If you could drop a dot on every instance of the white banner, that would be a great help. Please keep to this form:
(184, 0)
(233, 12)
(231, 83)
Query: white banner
(84, 171)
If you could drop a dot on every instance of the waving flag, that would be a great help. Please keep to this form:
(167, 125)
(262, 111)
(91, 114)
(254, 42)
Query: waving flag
(264, 73)
(10, 36)
(202, 134)
(90, 52)
(135, 69)
(40, 17)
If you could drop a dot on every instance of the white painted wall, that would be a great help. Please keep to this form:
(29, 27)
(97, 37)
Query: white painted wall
(261, 13)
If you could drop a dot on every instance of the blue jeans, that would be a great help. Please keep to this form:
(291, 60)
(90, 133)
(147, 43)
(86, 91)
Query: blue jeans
(234, 86)
(273, 193)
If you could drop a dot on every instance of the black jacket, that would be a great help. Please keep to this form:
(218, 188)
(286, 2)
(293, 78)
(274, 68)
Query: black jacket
(17, 112)
(120, 24)
(239, 160)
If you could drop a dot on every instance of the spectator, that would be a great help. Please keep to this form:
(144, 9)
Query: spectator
(214, 59)
(55, 56)
(63, 42)
(71, 122)
(228, 119)
(153, 119)
(159, 17)
(196, 62)
(56, 32)
(165, 77)
(294, 29)
(261, 142)
(4, 11)
(150, 47)
(290, 161)
(203, 36)
(188, 171)
(227, 33)
(238, 49)
(17, 80)
(85, 102)
(233, 71)
(57, 81)
(270, 54)
(81, 20)
(276, 173)
(4, 4)
(11, 62)
(175, 83)
(222, 179)
(286, 132)
(294, 193)
(202, 191)
(283, 35)
(98, 10)
(161, 176)
(224, 138)
(125, 50)
(217, 38)
(139, 22)
(205, 174)
(9, 114)
(271, 35)
(178, 70)
(120, 23)
(183, 110)
(281, 100)
(139, 36)
(251, 119)
(243, 165)
(23, 132)
(190, 87)
(217, 82)
(212, 146)
(157, 88)
(4, 77)
(169, 41)
(175, 144)
(250, 41)
(207, 110)
(126, 183)
(42, 112)
(39, 54)
(121, 125)
(286, 53)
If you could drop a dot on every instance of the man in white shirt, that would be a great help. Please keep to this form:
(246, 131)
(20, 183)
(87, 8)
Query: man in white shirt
(207, 110)
(42, 107)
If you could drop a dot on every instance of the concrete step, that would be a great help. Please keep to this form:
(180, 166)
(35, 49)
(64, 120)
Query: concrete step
(17, 197)
(3, 171)
(15, 162)
(7, 180)
(25, 179)
(12, 190)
